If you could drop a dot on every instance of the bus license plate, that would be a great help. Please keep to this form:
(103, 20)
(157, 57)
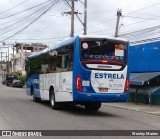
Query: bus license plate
(103, 89)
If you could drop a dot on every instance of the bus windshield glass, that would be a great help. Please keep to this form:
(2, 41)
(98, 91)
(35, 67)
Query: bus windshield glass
(103, 49)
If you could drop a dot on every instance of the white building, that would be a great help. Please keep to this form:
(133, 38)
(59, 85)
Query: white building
(22, 51)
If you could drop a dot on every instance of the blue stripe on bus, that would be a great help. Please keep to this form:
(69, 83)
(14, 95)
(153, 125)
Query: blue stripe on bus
(33, 80)
(123, 97)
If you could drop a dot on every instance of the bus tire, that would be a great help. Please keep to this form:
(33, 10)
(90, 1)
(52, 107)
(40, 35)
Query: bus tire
(93, 106)
(35, 99)
(53, 103)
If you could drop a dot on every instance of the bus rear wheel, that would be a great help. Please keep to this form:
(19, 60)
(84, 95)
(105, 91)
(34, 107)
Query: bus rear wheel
(93, 106)
(53, 103)
(35, 99)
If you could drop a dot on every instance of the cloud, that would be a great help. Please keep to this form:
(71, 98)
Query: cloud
(101, 18)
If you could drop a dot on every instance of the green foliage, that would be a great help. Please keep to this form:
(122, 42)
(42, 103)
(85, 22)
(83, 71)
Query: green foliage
(18, 74)
(21, 77)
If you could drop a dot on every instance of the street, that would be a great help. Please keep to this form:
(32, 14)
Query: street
(19, 112)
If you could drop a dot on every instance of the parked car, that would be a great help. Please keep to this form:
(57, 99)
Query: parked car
(9, 79)
(17, 83)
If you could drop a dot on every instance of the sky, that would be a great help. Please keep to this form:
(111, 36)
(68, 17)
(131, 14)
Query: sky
(54, 26)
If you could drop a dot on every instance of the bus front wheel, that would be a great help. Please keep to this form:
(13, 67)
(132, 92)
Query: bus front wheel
(93, 106)
(35, 99)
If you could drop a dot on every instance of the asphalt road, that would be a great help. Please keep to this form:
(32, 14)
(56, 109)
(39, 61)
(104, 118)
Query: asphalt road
(18, 112)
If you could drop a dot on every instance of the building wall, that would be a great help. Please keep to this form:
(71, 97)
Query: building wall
(21, 55)
(144, 57)
(3, 69)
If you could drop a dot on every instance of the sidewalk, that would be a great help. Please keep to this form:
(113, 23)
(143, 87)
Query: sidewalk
(154, 109)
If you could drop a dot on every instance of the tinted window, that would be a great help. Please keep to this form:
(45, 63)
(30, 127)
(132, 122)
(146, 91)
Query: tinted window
(97, 49)
(65, 58)
(57, 61)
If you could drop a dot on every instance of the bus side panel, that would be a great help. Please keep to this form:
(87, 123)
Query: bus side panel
(62, 84)
(63, 89)
(46, 80)
(33, 81)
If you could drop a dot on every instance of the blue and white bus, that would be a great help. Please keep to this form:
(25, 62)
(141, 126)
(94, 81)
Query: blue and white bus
(85, 70)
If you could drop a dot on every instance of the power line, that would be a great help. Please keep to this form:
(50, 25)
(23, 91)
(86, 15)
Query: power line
(142, 18)
(14, 7)
(97, 24)
(102, 22)
(154, 32)
(143, 8)
(123, 26)
(22, 20)
(49, 38)
(130, 16)
(24, 10)
(127, 33)
(103, 30)
(56, 10)
(11, 21)
(30, 22)
(143, 30)
(145, 40)
(139, 17)
(146, 34)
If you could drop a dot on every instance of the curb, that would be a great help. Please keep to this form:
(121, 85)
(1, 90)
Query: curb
(137, 110)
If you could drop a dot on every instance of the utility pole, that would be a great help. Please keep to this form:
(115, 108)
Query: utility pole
(72, 19)
(73, 12)
(85, 17)
(7, 58)
(7, 61)
(4, 44)
(119, 14)
(13, 62)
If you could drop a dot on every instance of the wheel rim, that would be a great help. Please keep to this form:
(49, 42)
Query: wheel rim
(52, 100)
(33, 96)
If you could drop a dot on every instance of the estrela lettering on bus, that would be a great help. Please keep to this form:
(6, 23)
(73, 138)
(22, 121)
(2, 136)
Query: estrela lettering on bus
(109, 76)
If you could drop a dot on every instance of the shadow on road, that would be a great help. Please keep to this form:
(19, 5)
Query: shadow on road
(79, 110)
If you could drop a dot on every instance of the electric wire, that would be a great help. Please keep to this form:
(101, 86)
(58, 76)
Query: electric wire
(143, 8)
(22, 20)
(13, 7)
(24, 10)
(143, 18)
(55, 1)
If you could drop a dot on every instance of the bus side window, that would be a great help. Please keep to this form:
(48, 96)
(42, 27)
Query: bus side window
(52, 65)
(70, 63)
(33, 66)
(64, 59)
(59, 64)
(70, 60)
(59, 61)
(62, 63)
(44, 68)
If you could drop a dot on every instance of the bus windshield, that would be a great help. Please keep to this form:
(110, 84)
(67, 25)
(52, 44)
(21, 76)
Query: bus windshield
(103, 49)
